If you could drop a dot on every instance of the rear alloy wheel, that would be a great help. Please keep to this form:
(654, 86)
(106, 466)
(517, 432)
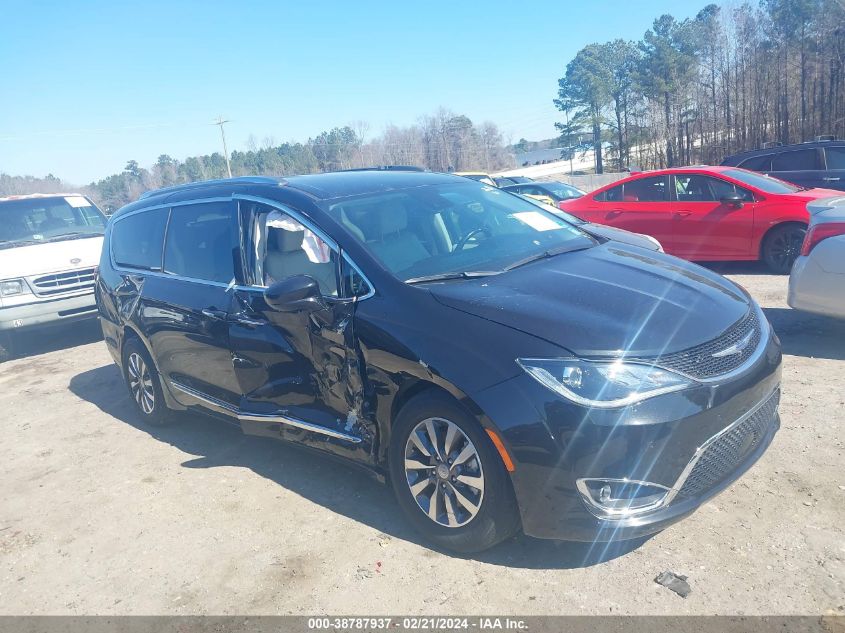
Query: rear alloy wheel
(143, 383)
(448, 477)
(782, 246)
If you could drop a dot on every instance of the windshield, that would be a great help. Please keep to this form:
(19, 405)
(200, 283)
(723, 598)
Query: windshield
(51, 219)
(562, 191)
(454, 228)
(761, 182)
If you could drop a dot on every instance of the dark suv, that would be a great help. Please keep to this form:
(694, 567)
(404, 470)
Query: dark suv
(500, 366)
(815, 164)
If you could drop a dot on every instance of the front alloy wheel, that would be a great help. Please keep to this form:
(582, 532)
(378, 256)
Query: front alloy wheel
(443, 472)
(449, 479)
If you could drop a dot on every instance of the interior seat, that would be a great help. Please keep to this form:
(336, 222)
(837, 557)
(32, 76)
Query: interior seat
(285, 258)
(394, 243)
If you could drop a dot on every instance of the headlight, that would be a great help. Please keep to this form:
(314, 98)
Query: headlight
(603, 384)
(12, 287)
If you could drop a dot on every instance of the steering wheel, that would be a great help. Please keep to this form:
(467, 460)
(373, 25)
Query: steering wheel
(466, 238)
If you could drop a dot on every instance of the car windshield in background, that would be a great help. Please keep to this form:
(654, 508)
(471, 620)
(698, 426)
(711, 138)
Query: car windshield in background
(563, 191)
(460, 229)
(39, 220)
(763, 183)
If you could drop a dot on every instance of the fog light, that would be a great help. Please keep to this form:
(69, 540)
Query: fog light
(621, 498)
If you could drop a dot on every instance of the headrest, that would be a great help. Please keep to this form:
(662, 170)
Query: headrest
(631, 197)
(286, 241)
(392, 218)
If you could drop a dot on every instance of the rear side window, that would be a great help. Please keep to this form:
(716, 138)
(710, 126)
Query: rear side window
(136, 240)
(758, 163)
(200, 243)
(835, 157)
(800, 160)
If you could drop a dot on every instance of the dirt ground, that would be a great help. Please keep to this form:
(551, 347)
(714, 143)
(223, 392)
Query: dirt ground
(101, 515)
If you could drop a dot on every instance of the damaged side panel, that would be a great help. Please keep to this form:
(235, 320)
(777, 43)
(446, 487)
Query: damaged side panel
(300, 375)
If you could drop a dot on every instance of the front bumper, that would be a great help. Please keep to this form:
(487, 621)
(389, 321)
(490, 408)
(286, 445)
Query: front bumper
(46, 312)
(555, 444)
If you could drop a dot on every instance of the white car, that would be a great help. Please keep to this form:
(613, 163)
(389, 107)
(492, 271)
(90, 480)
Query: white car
(49, 251)
(817, 281)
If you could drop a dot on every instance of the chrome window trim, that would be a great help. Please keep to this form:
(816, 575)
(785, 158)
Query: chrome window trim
(224, 407)
(299, 217)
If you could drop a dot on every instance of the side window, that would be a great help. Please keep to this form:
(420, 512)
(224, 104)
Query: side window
(645, 190)
(611, 195)
(801, 160)
(723, 189)
(758, 163)
(200, 241)
(136, 240)
(692, 188)
(285, 248)
(835, 157)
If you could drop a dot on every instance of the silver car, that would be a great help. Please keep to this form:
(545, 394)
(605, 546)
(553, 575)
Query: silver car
(817, 281)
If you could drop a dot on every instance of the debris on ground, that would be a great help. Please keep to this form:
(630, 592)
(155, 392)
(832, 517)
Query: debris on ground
(676, 583)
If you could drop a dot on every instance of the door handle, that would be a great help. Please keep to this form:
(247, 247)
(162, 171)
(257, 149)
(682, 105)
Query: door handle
(682, 214)
(831, 179)
(614, 212)
(214, 314)
(241, 319)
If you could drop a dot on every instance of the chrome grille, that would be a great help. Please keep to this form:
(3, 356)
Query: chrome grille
(57, 283)
(700, 361)
(727, 451)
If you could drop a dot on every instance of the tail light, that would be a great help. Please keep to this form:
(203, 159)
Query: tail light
(821, 232)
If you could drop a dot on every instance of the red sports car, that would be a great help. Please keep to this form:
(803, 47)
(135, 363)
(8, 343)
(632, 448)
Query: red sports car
(707, 213)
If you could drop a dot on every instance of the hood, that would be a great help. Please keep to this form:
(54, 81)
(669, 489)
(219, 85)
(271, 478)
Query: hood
(50, 257)
(606, 300)
(621, 235)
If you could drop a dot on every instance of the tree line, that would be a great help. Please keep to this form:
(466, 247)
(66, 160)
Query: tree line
(441, 142)
(695, 90)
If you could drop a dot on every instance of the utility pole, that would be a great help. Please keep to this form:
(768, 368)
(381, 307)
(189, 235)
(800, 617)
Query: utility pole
(220, 122)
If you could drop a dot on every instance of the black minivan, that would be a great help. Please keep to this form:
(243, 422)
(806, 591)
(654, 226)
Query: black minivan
(502, 368)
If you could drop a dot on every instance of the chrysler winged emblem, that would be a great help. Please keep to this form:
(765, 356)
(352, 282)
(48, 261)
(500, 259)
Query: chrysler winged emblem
(75, 261)
(736, 348)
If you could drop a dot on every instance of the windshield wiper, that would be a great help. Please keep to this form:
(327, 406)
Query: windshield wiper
(13, 243)
(544, 255)
(471, 274)
(75, 235)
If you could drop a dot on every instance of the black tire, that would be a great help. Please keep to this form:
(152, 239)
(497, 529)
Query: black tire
(497, 517)
(782, 245)
(146, 394)
(5, 348)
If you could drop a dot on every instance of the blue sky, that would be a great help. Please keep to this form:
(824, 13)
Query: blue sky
(88, 85)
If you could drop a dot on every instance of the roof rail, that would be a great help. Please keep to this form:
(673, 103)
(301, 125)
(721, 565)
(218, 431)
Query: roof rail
(769, 144)
(387, 168)
(240, 180)
(826, 137)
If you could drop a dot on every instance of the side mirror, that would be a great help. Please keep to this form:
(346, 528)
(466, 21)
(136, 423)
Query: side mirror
(734, 201)
(295, 294)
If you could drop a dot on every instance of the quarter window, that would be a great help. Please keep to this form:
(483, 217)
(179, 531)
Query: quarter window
(136, 239)
(201, 242)
(835, 157)
(758, 163)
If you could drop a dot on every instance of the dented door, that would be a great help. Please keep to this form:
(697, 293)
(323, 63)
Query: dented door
(299, 373)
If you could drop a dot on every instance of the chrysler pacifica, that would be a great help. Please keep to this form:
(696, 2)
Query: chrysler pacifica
(502, 368)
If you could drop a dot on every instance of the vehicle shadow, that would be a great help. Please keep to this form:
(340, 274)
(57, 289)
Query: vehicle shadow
(809, 335)
(336, 486)
(737, 268)
(25, 344)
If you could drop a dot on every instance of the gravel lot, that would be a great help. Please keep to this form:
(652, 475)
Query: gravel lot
(100, 515)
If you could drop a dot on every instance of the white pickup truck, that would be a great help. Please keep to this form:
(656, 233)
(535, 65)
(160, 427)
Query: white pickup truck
(49, 250)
